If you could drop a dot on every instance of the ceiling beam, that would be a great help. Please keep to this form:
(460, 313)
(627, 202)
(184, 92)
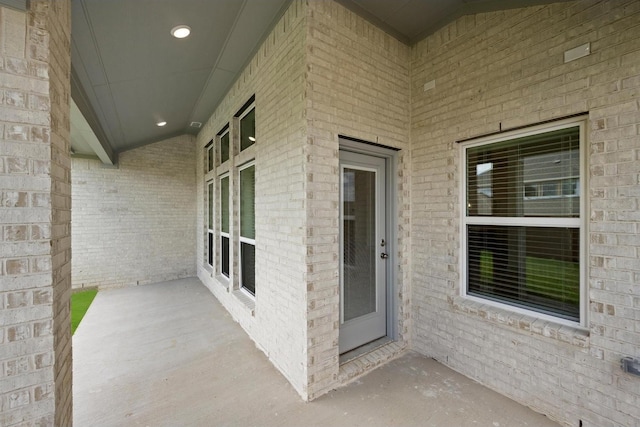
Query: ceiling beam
(99, 142)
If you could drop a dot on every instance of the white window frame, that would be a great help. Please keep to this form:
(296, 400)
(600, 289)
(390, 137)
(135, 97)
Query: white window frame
(221, 233)
(242, 239)
(579, 223)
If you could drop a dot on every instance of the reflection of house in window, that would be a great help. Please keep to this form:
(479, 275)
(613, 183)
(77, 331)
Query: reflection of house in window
(550, 184)
(484, 172)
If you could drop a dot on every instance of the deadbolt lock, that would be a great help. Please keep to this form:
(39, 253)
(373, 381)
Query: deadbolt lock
(383, 255)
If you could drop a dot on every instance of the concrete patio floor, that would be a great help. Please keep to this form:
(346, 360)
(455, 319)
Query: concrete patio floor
(168, 354)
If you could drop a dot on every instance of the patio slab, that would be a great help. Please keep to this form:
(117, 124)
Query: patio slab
(168, 354)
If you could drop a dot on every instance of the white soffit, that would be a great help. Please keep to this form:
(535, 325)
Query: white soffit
(83, 140)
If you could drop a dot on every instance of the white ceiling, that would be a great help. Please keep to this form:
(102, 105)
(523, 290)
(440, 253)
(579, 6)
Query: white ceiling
(128, 72)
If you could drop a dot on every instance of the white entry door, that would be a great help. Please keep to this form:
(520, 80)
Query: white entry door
(363, 250)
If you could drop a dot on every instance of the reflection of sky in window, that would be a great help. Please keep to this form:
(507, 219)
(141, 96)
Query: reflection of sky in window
(484, 178)
(349, 186)
(483, 167)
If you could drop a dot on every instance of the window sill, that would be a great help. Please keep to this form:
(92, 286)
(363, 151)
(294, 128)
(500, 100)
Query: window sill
(246, 301)
(223, 168)
(573, 335)
(223, 280)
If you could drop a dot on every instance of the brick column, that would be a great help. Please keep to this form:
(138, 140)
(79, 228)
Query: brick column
(35, 211)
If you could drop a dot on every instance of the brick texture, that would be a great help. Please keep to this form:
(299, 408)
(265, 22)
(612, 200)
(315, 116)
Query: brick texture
(358, 86)
(135, 224)
(506, 69)
(35, 339)
(318, 53)
(276, 320)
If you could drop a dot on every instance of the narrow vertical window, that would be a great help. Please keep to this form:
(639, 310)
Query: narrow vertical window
(247, 228)
(210, 246)
(224, 147)
(224, 144)
(210, 156)
(247, 122)
(248, 129)
(224, 225)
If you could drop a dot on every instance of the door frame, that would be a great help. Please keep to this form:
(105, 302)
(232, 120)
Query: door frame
(390, 155)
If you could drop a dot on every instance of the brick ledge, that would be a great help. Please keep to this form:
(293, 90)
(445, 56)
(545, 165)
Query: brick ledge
(365, 363)
(247, 302)
(522, 322)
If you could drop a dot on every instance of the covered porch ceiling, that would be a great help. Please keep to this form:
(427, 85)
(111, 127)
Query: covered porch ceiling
(129, 73)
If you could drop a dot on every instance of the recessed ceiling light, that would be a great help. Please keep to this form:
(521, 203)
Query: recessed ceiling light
(161, 123)
(252, 139)
(181, 31)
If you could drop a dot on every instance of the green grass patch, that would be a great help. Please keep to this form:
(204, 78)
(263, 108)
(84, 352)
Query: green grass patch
(558, 280)
(80, 303)
(550, 278)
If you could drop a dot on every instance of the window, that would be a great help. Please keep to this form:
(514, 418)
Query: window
(523, 224)
(224, 225)
(210, 246)
(247, 119)
(209, 149)
(224, 144)
(247, 228)
(248, 129)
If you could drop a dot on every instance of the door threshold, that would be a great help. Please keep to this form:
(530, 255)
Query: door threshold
(366, 358)
(363, 349)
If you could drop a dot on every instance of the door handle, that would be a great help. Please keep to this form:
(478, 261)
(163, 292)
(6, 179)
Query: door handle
(383, 255)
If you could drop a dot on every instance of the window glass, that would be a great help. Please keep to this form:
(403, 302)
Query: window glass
(522, 222)
(532, 267)
(224, 204)
(224, 147)
(248, 273)
(210, 207)
(248, 129)
(503, 178)
(210, 248)
(210, 158)
(247, 202)
(247, 229)
(224, 256)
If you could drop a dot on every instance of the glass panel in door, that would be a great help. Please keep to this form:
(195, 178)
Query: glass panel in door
(359, 225)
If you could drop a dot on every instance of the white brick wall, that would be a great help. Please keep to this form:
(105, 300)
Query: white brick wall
(35, 251)
(134, 224)
(276, 76)
(506, 69)
(301, 82)
(358, 86)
